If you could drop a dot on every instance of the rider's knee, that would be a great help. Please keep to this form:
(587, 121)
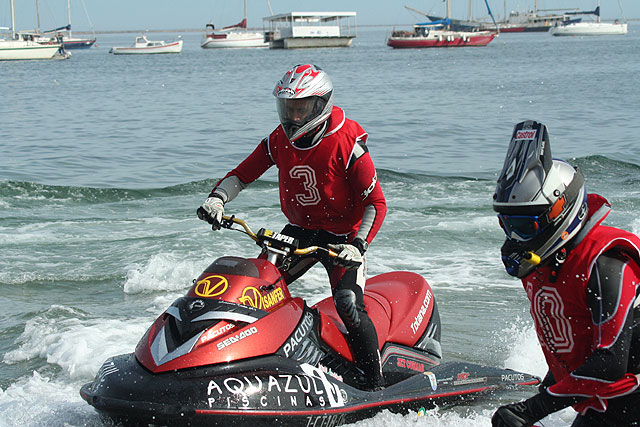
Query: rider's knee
(347, 307)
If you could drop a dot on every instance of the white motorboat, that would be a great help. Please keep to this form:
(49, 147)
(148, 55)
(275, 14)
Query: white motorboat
(590, 29)
(146, 46)
(597, 28)
(17, 48)
(234, 36)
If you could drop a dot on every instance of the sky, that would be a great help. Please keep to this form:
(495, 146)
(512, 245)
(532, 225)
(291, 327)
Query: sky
(114, 15)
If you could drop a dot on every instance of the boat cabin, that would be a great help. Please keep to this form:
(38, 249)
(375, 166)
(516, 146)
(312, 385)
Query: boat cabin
(310, 29)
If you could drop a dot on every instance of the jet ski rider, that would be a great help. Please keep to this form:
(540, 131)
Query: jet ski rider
(583, 281)
(329, 192)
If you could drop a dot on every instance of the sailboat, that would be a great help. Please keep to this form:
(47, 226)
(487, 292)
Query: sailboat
(440, 34)
(516, 22)
(17, 48)
(597, 28)
(70, 42)
(234, 36)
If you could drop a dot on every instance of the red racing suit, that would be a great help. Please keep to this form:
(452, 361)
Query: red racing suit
(324, 187)
(564, 316)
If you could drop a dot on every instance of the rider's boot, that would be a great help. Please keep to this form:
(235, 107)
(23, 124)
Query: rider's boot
(362, 338)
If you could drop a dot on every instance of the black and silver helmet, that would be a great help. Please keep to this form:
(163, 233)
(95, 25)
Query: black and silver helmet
(541, 202)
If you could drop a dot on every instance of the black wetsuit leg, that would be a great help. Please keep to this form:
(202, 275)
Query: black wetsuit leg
(348, 295)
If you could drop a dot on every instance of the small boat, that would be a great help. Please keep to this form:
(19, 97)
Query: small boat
(20, 47)
(597, 28)
(234, 36)
(146, 46)
(439, 34)
(70, 42)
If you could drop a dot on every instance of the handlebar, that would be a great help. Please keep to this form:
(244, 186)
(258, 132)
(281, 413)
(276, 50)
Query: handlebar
(228, 222)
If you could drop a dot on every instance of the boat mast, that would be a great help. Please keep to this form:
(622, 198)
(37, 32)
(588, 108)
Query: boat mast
(245, 14)
(470, 10)
(598, 9)
(69, 16)
(13, 21)
(38, 15)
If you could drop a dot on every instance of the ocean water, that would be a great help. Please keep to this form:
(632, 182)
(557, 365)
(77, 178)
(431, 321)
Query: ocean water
(104, 160)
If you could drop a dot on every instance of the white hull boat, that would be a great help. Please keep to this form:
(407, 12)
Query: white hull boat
(590, 29)
(16, 49)
(22, 50)
(233, 39)
(144, 46)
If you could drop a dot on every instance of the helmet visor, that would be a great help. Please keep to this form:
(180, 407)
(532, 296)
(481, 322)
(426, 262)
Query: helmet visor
(297, 112)
(521, 227)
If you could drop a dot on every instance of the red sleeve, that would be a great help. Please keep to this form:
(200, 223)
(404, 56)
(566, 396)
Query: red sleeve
(253, 166)
(363, 179)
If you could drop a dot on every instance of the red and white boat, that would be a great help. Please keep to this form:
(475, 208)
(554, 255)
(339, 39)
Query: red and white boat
(424, 37)
(439, 34)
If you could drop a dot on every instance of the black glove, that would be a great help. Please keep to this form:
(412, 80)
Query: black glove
(521, 414)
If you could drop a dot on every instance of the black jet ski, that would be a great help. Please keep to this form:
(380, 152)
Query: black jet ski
(238, 349)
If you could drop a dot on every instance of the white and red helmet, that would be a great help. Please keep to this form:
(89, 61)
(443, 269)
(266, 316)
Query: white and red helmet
(304, 97)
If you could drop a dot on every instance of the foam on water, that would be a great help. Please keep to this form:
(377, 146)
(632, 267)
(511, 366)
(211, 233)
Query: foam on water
(38, 399)
(75, 341)
(163, 272)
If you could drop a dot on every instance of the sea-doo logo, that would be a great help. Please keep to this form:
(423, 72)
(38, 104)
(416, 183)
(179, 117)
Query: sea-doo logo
(298, 335)
(253, 298)
(234, 339)
(415, 326)
(211, 286)
(526, 134)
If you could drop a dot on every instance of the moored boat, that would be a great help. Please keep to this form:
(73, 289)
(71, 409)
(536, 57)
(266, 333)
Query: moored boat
(429, 35)
(295, 30)
(24, 48)
(597, 28)
(235, 36)
(439, 34)
(146, 46)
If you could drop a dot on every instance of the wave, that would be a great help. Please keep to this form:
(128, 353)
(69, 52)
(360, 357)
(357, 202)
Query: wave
(25, 190)
(594, 166)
